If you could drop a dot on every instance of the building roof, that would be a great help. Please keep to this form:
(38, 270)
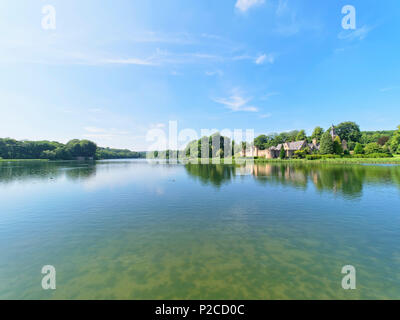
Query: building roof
(297, 145)
(292, 146)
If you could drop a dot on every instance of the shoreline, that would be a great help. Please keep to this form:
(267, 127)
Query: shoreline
(395, 160)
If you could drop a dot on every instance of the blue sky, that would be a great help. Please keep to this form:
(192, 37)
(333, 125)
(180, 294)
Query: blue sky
(112, 70)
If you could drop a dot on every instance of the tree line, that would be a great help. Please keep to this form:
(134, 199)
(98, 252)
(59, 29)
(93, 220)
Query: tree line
(358, 142)
(52, 150)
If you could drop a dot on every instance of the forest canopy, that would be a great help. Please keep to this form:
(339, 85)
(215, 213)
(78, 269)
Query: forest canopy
(74, 149)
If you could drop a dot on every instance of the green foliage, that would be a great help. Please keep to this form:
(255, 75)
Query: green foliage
(321, 156)
(326, 144)
(13, 149)
(375, 136)
(348, 131)
(373, 147)
(301, 135)
(215, 146)
(337, 146)
(107, 153)
(358, 149)
(300, 154)
(373, 155)
(282, 153)
(351, 145)
(395, 142)
(261, 142)
(317, 134)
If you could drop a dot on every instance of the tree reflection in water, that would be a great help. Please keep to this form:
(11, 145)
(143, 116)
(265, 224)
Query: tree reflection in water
(347, 180)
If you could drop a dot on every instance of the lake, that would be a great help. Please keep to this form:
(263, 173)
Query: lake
(130, 229)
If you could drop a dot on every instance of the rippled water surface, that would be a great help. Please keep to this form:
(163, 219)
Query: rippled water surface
(139, 230)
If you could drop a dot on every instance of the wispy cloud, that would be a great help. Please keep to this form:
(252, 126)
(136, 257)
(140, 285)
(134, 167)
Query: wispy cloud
(265, 58)
(269, 95)
(266, 115)
(214, 73)
(244, 5)
(389, 88)
(259, 59)
(358, 34)
(236, 103)
(134, 61)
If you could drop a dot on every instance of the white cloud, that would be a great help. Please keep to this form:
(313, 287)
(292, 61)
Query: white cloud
(214, 73)
(266, 115)
(359, 33)
(244, 5)
(260, 59)
(264, 58)
(134, 61)
(237, 103)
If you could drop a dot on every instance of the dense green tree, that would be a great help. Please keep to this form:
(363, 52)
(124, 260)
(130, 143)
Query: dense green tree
(395, 141)
(210, 147)
(301, 135)
(261, 142)
(13, 149)
(372, 147)
(317, 134)
(337, 145)
(282, 153)
(326, 144)
(348, 131)
(358, 148)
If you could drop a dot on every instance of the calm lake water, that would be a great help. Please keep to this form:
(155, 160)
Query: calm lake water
(139, 230)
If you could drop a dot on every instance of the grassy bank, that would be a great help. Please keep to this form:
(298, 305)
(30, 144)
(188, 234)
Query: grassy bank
(394, 160)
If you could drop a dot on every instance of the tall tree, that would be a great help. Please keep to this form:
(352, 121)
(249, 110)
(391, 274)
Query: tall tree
(301, 135)
(326, 143)
(261, 141)
(349, 131)
(317, 134)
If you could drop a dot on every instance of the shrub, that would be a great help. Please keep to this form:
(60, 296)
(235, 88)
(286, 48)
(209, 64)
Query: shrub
(282, 154)
(322, 156)
(300, 154)
(313, 156)
(373, 155)
(358, 148)
(372, 147)
(337, 146)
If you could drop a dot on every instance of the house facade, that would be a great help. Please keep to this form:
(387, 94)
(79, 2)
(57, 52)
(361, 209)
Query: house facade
(274, 152)
(289, 147)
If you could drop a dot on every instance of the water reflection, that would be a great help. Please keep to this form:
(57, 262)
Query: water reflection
(30, 171)
(215, 174)
(347, 180)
